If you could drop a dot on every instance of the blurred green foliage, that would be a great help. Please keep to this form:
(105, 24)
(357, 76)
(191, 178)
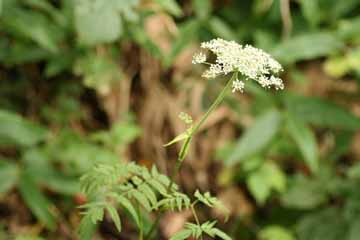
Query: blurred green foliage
(53, 53)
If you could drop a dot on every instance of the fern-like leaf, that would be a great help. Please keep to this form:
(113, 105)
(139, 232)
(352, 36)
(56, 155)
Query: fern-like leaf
(221, 234)
(212, 202)
(196, 231)
(127, 184)
(125, 203)
(87, 228)
(114, 216)
(181, 235)
(175, 201)
(142, 199)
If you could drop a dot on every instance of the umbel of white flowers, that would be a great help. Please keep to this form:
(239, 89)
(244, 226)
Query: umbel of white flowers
(250, 62)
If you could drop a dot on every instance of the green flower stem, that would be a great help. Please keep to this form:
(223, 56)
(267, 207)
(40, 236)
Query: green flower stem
(186, 144)
(192, 206)
(215, 104)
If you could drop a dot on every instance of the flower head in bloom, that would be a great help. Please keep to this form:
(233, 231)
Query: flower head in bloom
(250, 62)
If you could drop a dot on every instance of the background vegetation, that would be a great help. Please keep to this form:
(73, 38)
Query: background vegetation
(89, 81)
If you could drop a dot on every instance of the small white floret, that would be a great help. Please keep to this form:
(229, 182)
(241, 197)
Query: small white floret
(238, 85)
(199, 58)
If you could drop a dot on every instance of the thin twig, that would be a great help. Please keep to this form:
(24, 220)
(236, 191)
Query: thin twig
(192, 206)
(286, 18)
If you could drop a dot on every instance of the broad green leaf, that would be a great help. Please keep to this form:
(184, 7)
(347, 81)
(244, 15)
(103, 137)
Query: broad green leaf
(97, 22)
(342, 8)
(47, 7)
(267, 178)
(202, 8)
(312, 11)
(343, 142)
(256, 138)
(62, 184)
(225, 150)
(252, 163)
(43, 32)
(114, 216)
(258, 187)
(171, 6)
(127, 9)
(59, 63)
(349, 29)
(304, 188)
(98, 71)
(9, 174)
(86, 228)
(306, 142)
(321, 112)
(276, 177)
(337, 66)
(341, 65)
(17, 52)
(36, 201)
(37, 162)
(307, 46)
(124, 132)
(17, 130)
(275, 233)
(77, 155)
(120, 134)
(328, 224)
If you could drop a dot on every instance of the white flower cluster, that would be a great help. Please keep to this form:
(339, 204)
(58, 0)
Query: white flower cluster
(251, 62)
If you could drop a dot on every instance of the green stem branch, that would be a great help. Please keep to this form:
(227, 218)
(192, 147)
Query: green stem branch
(186, 144)
(192, 206)
(215, 104)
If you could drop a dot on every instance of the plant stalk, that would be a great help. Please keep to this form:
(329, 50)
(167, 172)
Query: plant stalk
(192, 206)
(185, 146)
